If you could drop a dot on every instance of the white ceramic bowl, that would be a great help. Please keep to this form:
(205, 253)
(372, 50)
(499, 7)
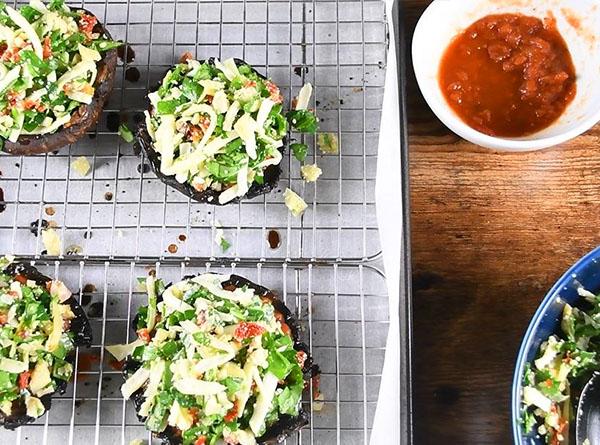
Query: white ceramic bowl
(444, 19)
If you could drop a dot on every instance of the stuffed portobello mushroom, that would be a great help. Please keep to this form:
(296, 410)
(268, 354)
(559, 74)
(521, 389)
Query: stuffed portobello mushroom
(217, 359)
(57, 67)
(40, 326)
(215, 131)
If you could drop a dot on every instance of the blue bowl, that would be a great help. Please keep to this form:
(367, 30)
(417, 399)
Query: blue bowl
(545, 322)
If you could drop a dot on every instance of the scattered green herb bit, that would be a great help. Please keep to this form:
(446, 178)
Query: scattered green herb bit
(125, 133)
(303, 121)
(202, 338)
(288, 400)
(328, 143)
(104, 45)
(528, 421)
(299, 150)
(225, 245)
(168, 106)
(191, 89)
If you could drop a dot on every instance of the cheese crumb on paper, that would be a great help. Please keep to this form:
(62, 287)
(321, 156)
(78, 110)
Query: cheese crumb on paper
(81, 165)
(328, 143)
(311, 172)
(294, 203)
(51, 242)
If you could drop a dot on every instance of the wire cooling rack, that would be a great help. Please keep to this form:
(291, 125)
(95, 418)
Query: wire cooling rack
(343, 315)
(121, 210)
(119, 221)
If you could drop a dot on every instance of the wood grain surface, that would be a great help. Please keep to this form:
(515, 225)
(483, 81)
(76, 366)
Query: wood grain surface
(491, 232)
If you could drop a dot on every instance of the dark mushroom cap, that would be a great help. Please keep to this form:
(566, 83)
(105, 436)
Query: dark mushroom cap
(83, 118)
(285, 425)
(210, 196)
(80, 327)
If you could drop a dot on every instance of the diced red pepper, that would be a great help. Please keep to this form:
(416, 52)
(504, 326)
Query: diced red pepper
(185, 57)
(86, 24)
(3, 319)
(232, 413)
(144, 335)
(47, 48)
(195, 133)
(200, 440)
(301, 358)
(13, 97)
(275, 93)
(247, 330)
(194, 413)
(24, 379)
(29, 104)
(284, 326)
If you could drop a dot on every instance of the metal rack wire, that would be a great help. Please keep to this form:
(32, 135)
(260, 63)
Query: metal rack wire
(343, 313)
(119, 220)
(120, 210)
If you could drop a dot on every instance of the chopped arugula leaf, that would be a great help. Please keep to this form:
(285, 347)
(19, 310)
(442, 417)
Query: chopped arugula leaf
(299, 150)
(303, 120)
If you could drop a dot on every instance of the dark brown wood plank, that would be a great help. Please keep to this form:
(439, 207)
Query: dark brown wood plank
(491, 232)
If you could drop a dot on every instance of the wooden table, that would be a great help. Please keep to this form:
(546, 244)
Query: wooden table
(491, 232)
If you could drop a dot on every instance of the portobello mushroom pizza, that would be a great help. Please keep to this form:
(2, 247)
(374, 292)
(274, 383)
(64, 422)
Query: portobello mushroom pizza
(215, 131)
(40, 326)
(217, 360)
(57, 67)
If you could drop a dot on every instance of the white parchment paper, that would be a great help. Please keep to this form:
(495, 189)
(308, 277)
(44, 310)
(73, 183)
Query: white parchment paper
(386, 426)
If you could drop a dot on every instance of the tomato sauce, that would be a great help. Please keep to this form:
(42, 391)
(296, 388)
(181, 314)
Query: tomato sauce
(508, 75)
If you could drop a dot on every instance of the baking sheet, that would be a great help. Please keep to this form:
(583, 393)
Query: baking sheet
(120, 211)
(343, 313)
(341, 48)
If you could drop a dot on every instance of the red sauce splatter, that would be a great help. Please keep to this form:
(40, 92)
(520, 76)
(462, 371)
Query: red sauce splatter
(84, 364)
(316, 386)
(273, 239)
(572, 18)
(116, 364)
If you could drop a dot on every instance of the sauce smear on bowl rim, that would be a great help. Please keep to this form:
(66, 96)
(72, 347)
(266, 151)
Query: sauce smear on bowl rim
(508, 75)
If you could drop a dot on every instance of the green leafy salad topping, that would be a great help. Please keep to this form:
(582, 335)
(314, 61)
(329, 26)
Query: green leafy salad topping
(565, 361)
(219, 125)
(217, 362)
(34, 341)
(48, 56)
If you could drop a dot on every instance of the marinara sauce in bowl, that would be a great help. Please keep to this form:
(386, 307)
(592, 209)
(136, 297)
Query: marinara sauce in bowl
(515, 75)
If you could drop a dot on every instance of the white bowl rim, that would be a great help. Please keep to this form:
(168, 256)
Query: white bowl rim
(456, 124)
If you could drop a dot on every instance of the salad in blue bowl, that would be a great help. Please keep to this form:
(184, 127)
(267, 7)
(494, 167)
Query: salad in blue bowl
(558, 354)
